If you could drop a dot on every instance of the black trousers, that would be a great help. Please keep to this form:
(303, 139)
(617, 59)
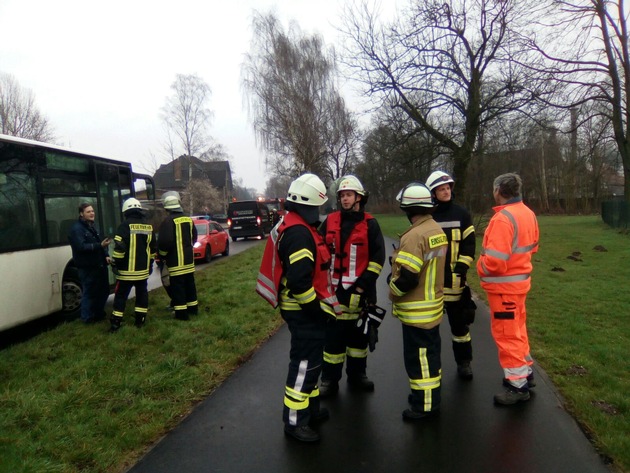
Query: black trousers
(123, 288)
(421, 349)
(344, 340)
(184, 294)
(301, 393)
(460, 330)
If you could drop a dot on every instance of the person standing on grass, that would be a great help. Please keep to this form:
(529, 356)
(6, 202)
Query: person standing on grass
(504, 269)
(356, 242)
(457, 225)
(134, 252)
(91, 257)
(416, 291)
(295, 274)
(177, 235)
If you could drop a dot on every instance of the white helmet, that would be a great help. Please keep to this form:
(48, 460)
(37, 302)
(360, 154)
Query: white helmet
(415, 194)
(351, 183)
(131, 203)
(437, 178)
(308, 189)
(171, 202)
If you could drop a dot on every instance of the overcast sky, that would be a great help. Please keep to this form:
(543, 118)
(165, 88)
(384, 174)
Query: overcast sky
(101, 72)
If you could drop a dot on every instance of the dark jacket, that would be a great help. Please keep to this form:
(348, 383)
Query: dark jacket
(85, 240)
(176, 238)
(135, 247)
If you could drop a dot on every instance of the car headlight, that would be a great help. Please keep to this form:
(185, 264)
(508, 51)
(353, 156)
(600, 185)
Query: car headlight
(197, 244)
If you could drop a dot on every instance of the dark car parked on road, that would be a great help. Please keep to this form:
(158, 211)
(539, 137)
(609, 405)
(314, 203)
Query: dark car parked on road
(248, 218)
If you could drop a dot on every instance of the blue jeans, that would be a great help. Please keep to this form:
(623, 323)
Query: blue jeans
(95, 285)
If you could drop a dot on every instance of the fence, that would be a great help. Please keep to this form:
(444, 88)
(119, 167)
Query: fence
(616, 213)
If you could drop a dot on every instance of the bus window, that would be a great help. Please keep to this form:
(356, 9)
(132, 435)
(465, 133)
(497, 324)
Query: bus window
(19, 219)
(110, 198)
(61, 213)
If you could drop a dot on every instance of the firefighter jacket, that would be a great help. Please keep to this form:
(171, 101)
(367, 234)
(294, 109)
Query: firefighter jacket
(176, 238)
(295, 269)
(85, 240)
(457, 224)
(134, 248)
(356, 243)
(505, 263)
(416, 285)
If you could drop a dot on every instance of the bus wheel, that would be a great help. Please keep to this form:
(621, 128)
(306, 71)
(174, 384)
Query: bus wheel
(71, 292)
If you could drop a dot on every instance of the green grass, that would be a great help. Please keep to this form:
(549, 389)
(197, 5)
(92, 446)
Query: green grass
(579, 322)
(79, 399)
(76, 399)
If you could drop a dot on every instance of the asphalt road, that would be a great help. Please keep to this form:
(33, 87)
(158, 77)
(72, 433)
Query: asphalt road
(239, 427)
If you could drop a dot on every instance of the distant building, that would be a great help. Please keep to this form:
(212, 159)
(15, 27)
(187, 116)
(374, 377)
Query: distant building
(175, 175)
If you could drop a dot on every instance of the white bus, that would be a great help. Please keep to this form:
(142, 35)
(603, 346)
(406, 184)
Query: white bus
(41, 187)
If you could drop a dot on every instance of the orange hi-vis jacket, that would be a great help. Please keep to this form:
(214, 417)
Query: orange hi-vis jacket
(505, 264)
(271, 271)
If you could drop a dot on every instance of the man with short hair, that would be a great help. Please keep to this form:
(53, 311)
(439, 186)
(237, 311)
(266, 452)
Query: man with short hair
(91, 257)
(504, 269)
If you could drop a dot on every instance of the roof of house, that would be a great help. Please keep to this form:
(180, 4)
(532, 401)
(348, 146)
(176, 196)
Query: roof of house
(174, 175)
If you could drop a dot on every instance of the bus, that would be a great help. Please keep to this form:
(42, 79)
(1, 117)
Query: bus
(41, 188)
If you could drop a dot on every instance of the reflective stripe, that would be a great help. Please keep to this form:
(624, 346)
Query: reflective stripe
(464, 339)
(298, 255)
(374, 267)
(356, 353)
(468, 232)
(142, 310)
(500, 279)
(410, 260)
(305, 297)
(334, 359)
(495, 254)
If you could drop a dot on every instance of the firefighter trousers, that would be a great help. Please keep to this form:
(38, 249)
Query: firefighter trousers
(460, 331)
(184, 294)
(509, 330)
(121, 294)
(421, 349)
(301, 393)
(344, 340)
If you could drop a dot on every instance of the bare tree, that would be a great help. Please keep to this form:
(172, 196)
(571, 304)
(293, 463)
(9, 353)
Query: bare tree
(187, 116)
(203, 197)
(590, 56)
(19, 115)
(449, 65)
(297, 113)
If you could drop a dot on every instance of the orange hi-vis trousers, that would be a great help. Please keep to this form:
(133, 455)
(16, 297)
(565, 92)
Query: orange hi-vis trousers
(508, 323)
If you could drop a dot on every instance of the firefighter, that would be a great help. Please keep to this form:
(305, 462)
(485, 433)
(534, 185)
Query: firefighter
(457, 224)
(294, 274)
(358, 252)
(177, 235)
(504, 269)
(134, 252)
(416, 292)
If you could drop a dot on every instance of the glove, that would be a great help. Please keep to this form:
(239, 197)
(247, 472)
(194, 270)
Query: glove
(369, 322)
(114, 268)
(150, 267)
(461, 269)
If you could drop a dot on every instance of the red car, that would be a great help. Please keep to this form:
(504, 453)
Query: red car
(212, 240)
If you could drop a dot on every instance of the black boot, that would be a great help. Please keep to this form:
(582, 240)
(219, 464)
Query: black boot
(464, 371)
(303, 433)
(328, 388)
(115, 323)
(140, 319)
(361, 383)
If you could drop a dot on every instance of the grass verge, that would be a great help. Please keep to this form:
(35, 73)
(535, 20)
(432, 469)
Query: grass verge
(579, 322)
(77, 399)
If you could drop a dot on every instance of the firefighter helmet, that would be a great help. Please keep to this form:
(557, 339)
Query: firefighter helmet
(415, 194)
(351, 183)
(171, 202)
(308, 189)
(437, 178)
(131, 203)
